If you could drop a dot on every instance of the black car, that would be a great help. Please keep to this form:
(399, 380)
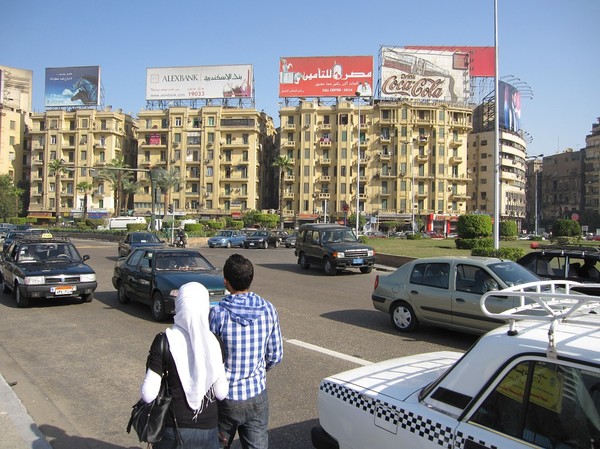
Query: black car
(35, 267)
(290, 242)
(153, 276)
(564, 262)
(19, 233)
(333, 246)
(136, 239)
(264, 238)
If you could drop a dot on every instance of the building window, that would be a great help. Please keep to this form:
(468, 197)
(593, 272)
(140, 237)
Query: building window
(211, 138)
(52, 140)
(85, 123)
(211, 121)
(245, 138)
(178, 121)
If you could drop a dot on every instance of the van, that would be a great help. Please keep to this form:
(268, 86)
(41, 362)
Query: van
(122, 222)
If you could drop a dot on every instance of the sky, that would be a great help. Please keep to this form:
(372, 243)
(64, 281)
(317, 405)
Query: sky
(549, 45)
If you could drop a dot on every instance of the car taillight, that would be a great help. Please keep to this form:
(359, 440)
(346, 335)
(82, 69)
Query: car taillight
(376, 282)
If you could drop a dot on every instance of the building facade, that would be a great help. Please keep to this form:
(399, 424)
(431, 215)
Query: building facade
(592, 170)
(391, 161)
(562, 185)
(220, 154)
(85, 139)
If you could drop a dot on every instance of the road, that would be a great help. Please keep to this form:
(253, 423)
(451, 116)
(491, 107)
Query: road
(78, 367)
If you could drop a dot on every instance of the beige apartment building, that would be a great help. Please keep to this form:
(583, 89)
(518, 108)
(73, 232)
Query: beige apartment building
(408, 165)
(222, 156)
(512, 173)
(85, 139)
(591, 166)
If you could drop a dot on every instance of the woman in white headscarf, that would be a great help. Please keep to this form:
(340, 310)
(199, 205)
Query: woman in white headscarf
(196, 374)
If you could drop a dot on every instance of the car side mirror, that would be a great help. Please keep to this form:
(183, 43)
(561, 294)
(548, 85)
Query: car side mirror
(146, 270)
(86, 257)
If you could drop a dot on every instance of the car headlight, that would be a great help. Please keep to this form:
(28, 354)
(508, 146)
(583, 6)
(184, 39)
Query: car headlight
(339, 254)
(370, 253)
(173, 293)
(88, 277)
(35, 280)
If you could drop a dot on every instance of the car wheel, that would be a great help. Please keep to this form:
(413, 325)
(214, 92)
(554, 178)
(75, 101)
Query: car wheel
(277, 243)
(366, 270)
(228, 244)
(22, 301)
(5, 287)
(210, 246)
(265, 245)
(403, 317)
(158, 307)
(87, 298)
(329, 267)
(122, 294)
(303, 262)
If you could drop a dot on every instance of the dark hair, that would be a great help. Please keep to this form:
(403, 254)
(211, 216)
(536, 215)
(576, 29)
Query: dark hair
(239, 272)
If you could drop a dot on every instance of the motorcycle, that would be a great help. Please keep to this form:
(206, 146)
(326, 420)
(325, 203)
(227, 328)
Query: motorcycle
(180, 241)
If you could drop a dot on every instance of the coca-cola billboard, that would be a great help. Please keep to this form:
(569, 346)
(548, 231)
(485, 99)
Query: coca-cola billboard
(424, 74)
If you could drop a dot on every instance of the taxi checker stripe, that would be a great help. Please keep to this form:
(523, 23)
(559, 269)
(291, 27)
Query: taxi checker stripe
(419, 425)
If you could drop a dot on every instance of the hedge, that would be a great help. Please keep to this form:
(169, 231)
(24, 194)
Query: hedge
(513, 254)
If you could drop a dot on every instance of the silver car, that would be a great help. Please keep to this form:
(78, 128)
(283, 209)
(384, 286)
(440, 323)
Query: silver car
(445, 292)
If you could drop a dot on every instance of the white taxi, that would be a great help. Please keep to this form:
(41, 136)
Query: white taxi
(532, 383)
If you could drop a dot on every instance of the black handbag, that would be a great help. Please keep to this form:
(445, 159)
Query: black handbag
(148, 419)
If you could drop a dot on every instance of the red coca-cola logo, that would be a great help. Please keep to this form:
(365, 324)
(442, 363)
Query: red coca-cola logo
(424, 87)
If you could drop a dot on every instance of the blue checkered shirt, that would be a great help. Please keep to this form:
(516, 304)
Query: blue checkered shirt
(248, 326)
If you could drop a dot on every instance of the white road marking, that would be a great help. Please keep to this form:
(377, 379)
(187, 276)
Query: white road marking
(339, 355)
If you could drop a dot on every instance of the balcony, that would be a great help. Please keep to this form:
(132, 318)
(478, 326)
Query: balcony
(288, 144)
(326, 126)
(289, 178)
(385, 138)
(422, 157)
(423, 138)
(325, 143)
(455, 160)
(385, 156)
(323, 196)
(387, 174)
(454, 143)
(289, 127)
(325, 178)
(288, 195)
(325, 161)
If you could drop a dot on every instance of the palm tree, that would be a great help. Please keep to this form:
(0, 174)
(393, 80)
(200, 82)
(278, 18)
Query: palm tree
(130, 188)
(85, 187)
(57, 167)
(284, 163)
(167, 180)
(113, 173)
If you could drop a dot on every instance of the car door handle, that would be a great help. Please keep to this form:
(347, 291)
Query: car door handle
(414, 292)
(460, 300)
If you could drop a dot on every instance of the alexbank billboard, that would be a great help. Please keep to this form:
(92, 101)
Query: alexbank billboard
(190, 83)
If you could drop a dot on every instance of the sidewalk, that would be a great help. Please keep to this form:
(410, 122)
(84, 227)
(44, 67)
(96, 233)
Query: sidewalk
(17, 429)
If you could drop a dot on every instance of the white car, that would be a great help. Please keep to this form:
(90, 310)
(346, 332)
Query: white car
(534, 383)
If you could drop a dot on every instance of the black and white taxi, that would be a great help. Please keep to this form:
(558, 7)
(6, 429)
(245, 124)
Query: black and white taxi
(532, 383)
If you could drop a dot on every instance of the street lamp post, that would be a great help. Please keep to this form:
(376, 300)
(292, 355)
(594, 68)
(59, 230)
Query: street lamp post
(536, 201)
(358, 167)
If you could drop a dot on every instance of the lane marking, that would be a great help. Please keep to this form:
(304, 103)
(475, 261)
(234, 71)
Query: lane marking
(326, 351)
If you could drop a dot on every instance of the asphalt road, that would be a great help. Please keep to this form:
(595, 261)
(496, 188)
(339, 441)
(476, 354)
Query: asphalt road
(78, 367)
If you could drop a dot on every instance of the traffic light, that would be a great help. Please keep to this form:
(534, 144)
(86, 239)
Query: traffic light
(170, 208)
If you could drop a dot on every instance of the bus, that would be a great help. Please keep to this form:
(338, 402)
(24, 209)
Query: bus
(122, 222)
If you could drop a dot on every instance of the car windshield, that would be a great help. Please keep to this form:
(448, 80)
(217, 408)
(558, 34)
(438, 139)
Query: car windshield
(338, 236)
(144, 238)
(49, 253)
(512, 273)
(182, 261)
(259, 234)
(224, 234)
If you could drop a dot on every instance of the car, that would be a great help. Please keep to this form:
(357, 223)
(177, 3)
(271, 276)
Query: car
(567, 262)
(19, 233)
(133, 240)
(290, 242)
(445, 292)
(263, 238)
(333, 246)
(532, 383)
(153, 276)
(227, 238)
(35, 267)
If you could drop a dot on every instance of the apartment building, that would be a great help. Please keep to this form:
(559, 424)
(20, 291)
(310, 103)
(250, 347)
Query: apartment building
(84, 139)
(591, 165)
(512, 164)
(220, 155)
(562, 185)
(393, 161)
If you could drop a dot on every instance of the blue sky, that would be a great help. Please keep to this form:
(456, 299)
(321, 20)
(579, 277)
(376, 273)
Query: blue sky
(548, 44)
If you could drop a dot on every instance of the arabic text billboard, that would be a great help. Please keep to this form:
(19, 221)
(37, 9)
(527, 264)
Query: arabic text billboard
(189, 83)
(72, 86)
(424, 74)
(326, 76)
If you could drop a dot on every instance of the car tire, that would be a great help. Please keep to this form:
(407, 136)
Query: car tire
(87, 298)
(210, 246)
(403, 317)
(158, 307)
(277, 243)
(22, 301)
(303, 262)
(329, 267)
(122, 294)
(228, 244)
(366, 270)
(265, 245)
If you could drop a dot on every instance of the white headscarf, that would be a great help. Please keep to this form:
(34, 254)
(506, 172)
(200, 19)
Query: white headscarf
(194, 347)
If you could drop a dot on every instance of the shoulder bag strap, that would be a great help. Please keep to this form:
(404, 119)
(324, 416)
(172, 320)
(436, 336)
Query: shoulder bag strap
(165, 350)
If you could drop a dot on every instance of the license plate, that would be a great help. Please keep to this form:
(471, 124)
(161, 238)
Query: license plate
(357, 261)
(251, 244)
(63, 290)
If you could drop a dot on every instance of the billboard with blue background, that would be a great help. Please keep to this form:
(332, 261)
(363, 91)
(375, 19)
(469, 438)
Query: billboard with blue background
(72, 86)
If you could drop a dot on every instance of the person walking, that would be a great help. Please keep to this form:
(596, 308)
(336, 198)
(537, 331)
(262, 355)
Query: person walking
(248, 327)
(196, 373)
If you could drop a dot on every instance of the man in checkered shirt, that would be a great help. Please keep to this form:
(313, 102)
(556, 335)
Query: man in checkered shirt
(248, 326)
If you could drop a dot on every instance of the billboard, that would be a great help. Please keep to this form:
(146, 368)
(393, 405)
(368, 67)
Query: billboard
(481, 60)
(326, 76)
(72, 86)
(424, 74)
(190, 83)
(509, 100)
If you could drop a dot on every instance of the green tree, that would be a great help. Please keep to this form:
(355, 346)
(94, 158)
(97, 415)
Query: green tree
(283, 163)
(167, 180)
(472, 226)
(114, 173)
(57, 168)
(130, 188)
(566, 228)
(351, 221)
(9, 198)
(85, 187)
